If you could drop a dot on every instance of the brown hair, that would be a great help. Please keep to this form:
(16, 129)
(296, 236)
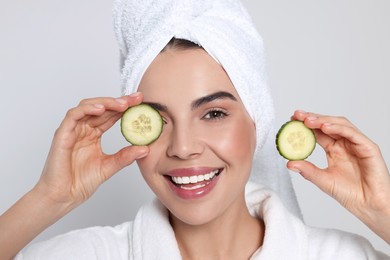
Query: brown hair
(180, 44)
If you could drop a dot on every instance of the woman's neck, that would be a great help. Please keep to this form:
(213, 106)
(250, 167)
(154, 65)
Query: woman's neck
(233, 235)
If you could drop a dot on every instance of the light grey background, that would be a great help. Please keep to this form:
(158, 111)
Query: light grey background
(330, 57)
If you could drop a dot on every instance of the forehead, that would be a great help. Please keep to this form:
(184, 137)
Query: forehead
(185, 74)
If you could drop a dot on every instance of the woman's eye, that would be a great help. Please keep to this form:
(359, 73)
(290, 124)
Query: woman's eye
(215, 115)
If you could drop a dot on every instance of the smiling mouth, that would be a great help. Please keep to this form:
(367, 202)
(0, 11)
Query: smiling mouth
(195, 181)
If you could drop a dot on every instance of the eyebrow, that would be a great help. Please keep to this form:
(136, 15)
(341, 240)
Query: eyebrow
(157, 106)
(198, 102)
(207, 99)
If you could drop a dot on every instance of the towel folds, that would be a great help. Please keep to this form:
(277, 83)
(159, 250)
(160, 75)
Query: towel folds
(225, 30)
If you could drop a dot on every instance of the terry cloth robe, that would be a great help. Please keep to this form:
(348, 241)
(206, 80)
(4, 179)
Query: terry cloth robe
(150, 236)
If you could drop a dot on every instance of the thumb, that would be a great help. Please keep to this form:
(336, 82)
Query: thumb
(312, 173)
(123, 158)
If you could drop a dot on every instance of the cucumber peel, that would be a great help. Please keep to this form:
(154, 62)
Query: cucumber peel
(141, 124)
(295, 141)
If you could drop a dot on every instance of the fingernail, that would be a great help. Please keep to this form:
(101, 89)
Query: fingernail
(143, 153)
(135, 94)
(121, 101)
(312, 118)
(99, 106)
(141, 156)
(301, 111)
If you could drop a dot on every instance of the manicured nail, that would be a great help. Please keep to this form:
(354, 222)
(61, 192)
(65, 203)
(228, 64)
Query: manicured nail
(135, 94)
(143, 154)
(312, 118)
(121, 101)
(99, 106)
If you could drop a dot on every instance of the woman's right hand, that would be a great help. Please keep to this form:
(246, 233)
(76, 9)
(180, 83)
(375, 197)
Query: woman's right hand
(74, 169)
(76, 165)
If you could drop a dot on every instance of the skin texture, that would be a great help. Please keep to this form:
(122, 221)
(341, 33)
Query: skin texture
(217, 225)
(75, 167)
(356, 176)
(217, 134)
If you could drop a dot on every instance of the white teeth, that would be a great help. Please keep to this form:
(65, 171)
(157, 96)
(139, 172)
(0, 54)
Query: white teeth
(193, 187)
(185, 180)
(194, 179)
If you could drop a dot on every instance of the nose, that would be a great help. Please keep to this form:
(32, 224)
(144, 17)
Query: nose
(184, 143)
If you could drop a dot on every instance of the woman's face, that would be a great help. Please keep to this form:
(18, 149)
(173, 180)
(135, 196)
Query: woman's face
(200, 164)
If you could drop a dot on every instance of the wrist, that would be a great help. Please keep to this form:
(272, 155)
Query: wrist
(378, 220)
(52, 200)
(27, 218)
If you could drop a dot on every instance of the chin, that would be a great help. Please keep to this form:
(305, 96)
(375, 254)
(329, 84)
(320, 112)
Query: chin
(193, 216)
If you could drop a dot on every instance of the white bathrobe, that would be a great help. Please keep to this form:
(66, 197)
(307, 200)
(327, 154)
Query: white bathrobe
(150, 237)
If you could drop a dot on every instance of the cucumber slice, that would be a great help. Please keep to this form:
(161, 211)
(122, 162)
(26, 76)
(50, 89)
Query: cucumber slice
(141, 124)
(295, 141)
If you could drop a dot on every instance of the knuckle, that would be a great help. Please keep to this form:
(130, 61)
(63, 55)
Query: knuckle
(71, 112)
(84, 101)
(343, 118)
(57, 133)
(370, 148)
(373, 147)
(60, 136)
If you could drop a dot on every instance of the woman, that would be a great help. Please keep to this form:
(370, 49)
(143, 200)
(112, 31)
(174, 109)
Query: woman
(208, 130)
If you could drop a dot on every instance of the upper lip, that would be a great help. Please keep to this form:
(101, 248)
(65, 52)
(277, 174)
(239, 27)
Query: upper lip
(192, 171)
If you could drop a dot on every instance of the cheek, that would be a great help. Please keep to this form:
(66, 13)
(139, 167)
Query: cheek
(236, 140)
(142, 165)
(147, 165)
(242, 138)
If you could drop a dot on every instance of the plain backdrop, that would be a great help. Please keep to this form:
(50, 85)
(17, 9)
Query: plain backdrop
(330, 57)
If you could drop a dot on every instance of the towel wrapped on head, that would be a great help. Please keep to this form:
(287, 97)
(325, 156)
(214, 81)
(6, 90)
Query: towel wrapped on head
(225, 30)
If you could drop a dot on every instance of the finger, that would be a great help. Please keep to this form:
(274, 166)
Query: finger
(134, 99)
(95, 107)
(124, 157)
(74, 115)
(323, 139)
(311, 118)
(360, 143)
(329, 133)
(327, 138)
(115, 107)
(97, 112)
(116, 104)
(312, 173)
(104, 121)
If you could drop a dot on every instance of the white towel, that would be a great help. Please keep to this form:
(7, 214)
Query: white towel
(225, 30)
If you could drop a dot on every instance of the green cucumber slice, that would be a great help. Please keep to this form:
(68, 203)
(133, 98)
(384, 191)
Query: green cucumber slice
(295, 141)
(141, 124)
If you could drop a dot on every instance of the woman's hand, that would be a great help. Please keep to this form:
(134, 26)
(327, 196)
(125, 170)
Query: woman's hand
(74, 169)
(76, 164)
(356, 176)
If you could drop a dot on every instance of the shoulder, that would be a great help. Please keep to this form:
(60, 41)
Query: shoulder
(89, 243)
(337, 244)
(299, 240)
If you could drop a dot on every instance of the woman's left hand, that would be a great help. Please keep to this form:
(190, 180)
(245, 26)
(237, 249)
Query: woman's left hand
(356, 176)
